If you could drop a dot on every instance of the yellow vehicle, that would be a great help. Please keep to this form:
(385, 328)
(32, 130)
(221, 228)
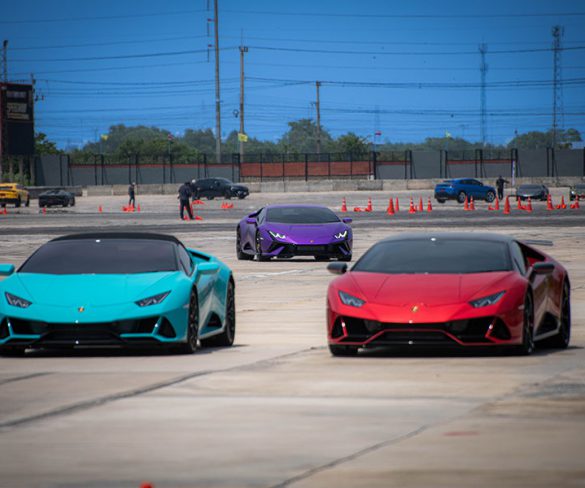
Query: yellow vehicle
(13, 193)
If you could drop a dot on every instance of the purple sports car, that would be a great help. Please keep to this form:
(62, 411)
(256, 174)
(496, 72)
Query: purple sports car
(285, 231)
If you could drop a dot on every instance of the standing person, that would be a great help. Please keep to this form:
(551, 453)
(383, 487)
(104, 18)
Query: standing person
(500, 182)
(184, 195)
(132, 194)
(193, 187)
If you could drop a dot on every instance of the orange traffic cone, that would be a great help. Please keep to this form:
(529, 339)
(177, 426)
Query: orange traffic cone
(519, 204)
(411, 210)
(497, 207)
(429, 206)
(397, 206)
(198, 217)
(44, 210)
(390, 210)
(562, 205)
(5, 212)
(507, 206)
(465, 204)
(357, 209)
(186, 217)
(471, 204)
(343, 205)
(420, 205)
(100, 209)
(575, 204)
(549, 204)
(528, 208)
(138, 209)
(369, 207)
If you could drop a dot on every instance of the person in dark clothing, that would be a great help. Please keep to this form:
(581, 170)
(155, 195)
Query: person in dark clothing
(132, 194)
(500, 182)
(184, 196)
(193, 187)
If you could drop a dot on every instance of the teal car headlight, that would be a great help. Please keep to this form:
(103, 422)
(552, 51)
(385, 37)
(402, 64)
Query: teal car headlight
(153, 300)
(350, 300)
(486, 301)
(276, 235)
(17, 301)
(341, 235)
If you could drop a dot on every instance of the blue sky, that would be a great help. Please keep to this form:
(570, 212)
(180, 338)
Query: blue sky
(407, 69)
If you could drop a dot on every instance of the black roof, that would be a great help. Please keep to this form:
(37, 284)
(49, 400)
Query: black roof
(475, 236)
(118, 235)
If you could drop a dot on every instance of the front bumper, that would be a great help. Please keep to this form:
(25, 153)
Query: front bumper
(285, 250)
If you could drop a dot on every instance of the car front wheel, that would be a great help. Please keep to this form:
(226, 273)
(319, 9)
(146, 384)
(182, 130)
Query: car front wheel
(461, 197)
(240, 254)
(490, 196)
(225, 338)
(527, 346)
(190, 346)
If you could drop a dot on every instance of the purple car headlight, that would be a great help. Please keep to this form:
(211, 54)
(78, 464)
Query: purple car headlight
(341, 235)
(276, 235)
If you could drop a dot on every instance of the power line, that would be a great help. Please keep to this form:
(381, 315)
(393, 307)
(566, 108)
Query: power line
(102, 17)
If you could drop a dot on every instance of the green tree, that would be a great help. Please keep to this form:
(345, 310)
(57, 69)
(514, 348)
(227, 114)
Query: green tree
(302, 138)
(542, 140)
(351, 143)
(44, 146)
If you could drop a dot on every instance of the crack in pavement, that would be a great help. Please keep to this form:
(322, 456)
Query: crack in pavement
(22, 378)
(96, 402)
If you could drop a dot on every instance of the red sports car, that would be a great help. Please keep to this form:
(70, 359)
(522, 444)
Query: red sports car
(460, 289)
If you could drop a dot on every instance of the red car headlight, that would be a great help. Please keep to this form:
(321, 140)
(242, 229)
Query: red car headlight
(486, 301)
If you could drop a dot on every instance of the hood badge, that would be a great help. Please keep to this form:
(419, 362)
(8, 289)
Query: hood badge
(415, 309)
(81, 309)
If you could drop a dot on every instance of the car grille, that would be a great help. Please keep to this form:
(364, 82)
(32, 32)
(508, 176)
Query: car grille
(311, 250)
(465, 331)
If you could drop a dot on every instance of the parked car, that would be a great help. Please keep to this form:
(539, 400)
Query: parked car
(13, 193)
(116, 289)
(465, 290)
(534, 192)
(459, 188)
(219, 187)
(285, 231)
(578, 191)
(56, 197)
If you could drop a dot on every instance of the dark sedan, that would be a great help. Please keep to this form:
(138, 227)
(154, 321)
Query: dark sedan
(60, 198)
(578, 191)
(534, 192)
(218, 187)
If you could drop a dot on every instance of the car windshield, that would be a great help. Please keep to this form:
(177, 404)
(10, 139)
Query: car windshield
(435, 256)
(301, 215)
(102, 256)
(530, 188)
(6, 187)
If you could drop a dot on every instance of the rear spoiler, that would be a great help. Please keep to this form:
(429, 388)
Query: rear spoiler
(537, 242)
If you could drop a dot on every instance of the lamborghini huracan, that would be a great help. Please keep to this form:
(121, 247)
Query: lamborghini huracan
(449, 289)
(116, 289)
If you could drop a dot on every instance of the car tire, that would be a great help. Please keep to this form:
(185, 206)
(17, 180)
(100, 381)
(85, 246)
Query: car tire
(12, 352)
(240, 254)
(225, 338)
(461, 196)
(490, 196)
(259, 255)
(527, 347)
(73, 202)
(343, 351)
(27, 204)
(563, 337)
(65, 203)
(441, 200)
(322, 258)
(190, 346)
(227, 195)
(241, 197)
(210, 197)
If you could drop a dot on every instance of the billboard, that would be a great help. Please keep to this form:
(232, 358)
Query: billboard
(17, 133)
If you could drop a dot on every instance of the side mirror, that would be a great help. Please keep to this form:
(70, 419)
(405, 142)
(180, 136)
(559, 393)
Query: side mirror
(208, 267)
(6, 269)
(347, 220)
(337, 268)
(543, 268)
(250, 220)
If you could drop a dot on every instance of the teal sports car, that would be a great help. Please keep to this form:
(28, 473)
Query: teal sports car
(116, 289)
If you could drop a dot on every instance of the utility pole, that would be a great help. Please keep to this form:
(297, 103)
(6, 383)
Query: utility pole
(217, 90)
(243, 49)
(5, 60)
(557, 122)
(483, 67)
(318, 108)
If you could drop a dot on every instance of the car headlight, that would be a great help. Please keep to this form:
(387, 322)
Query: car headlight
(341, 235)
(350, 300)
(276, 235)
(489, 300)
(153, 300)
(17, 301)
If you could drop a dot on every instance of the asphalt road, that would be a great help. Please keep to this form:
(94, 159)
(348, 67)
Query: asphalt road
(277, 409)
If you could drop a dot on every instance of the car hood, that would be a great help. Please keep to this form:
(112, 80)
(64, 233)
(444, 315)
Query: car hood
(85, 290)
(529, 193)
(432, 290)
(307, 232)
